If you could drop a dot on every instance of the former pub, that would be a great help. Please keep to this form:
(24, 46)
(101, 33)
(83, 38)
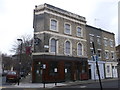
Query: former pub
(60, 45)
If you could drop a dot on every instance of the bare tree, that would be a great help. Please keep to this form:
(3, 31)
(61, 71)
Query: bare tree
(26, 59)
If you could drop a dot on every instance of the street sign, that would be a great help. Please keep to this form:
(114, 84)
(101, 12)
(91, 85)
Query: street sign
(95, 58)
(46, 46)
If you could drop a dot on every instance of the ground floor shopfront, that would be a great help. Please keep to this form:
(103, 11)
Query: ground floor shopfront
(106, 69)
(93, 74)
(111, 70)
(48, 68)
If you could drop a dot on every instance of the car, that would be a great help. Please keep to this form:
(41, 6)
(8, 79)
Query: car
(12, 76)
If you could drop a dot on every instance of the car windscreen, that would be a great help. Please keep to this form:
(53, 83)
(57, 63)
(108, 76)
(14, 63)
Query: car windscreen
(13, 73)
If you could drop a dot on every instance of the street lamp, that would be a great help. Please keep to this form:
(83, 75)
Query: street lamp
(19, 40)
(55, 58)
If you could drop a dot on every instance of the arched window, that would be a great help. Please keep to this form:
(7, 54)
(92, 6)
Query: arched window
(79, 49)
(67, 47)
(53, 45)
(53, 25)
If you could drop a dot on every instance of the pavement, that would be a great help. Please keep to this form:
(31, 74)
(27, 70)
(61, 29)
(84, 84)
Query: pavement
(27, 83)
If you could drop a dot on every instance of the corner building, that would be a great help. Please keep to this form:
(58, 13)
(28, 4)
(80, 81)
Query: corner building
(60, 51)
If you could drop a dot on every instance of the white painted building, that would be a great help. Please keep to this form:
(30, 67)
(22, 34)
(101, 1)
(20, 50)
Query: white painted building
(93, 69)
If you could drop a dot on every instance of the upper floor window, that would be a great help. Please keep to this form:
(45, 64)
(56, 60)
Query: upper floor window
(53, 25)
(79, 49)
(106, 55)
(99, 53)
(53, 45)
(67, 48)
(111, 43)
(79, 31)
(91, 38)
(105, 41)
(112, 54)
(99, 40)
(67, 28)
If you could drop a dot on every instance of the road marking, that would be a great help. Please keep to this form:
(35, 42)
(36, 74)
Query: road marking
(82, 86)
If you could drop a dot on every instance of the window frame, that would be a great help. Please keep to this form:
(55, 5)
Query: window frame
(100, 53)
(81, 35)
(65, 28)
(106, 57)
(70, 47)
(56, 24)
(51, 43)
(81, 48)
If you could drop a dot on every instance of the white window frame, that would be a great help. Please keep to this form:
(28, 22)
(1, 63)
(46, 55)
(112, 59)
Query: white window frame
(65, 28)
(81, 31)
(91, 35)
(110, 43)
(99, 40)
(105, 42)
(113, 54)
(100, 53)
(82, 49)
(107, 57)
(50, 45)
(65, 48)
(56, 24)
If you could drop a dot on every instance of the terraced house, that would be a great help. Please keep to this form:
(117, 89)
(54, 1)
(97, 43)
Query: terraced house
(104, 42)
(60, 45)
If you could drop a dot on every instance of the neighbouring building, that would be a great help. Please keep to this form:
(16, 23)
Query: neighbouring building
(118, 58)
(60, 45)
(104, 43)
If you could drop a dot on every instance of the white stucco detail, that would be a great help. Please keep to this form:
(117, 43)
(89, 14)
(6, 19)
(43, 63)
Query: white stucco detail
(94, 75)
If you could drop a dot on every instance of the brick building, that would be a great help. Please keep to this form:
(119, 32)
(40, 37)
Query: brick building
(104, 42)
(60, 45)
(118, 58)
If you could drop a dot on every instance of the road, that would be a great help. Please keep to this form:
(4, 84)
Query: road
(106, 84)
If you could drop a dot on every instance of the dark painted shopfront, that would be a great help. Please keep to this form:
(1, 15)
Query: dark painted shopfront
(48, 68)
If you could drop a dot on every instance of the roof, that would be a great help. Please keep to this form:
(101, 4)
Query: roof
(59, 10)
(100, 29)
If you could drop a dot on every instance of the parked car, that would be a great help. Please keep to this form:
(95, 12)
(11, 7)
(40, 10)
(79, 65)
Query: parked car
(12, 76)
(4, 73)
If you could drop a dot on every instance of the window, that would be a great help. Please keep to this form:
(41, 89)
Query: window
(53, 25)
(99, 40)
(105, 41)
(79, 32)
(67, 29)
(111, 43)
(83, 67)
(79, 49)
(53, 68)
(53, 45)
(91, 38)
(108, 69)
(99, 53)
(112, 55)
(106, 54)
(67, 48)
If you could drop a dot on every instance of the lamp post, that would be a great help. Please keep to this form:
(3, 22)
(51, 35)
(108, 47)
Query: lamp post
(97, 65)
(19, 40)
(55, 58)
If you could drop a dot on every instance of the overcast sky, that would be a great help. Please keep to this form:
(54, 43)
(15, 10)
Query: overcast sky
(16, 16)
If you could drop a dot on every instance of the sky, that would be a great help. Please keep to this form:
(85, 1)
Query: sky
(16, 17)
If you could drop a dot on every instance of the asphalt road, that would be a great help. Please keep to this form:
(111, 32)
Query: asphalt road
(106, 84)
